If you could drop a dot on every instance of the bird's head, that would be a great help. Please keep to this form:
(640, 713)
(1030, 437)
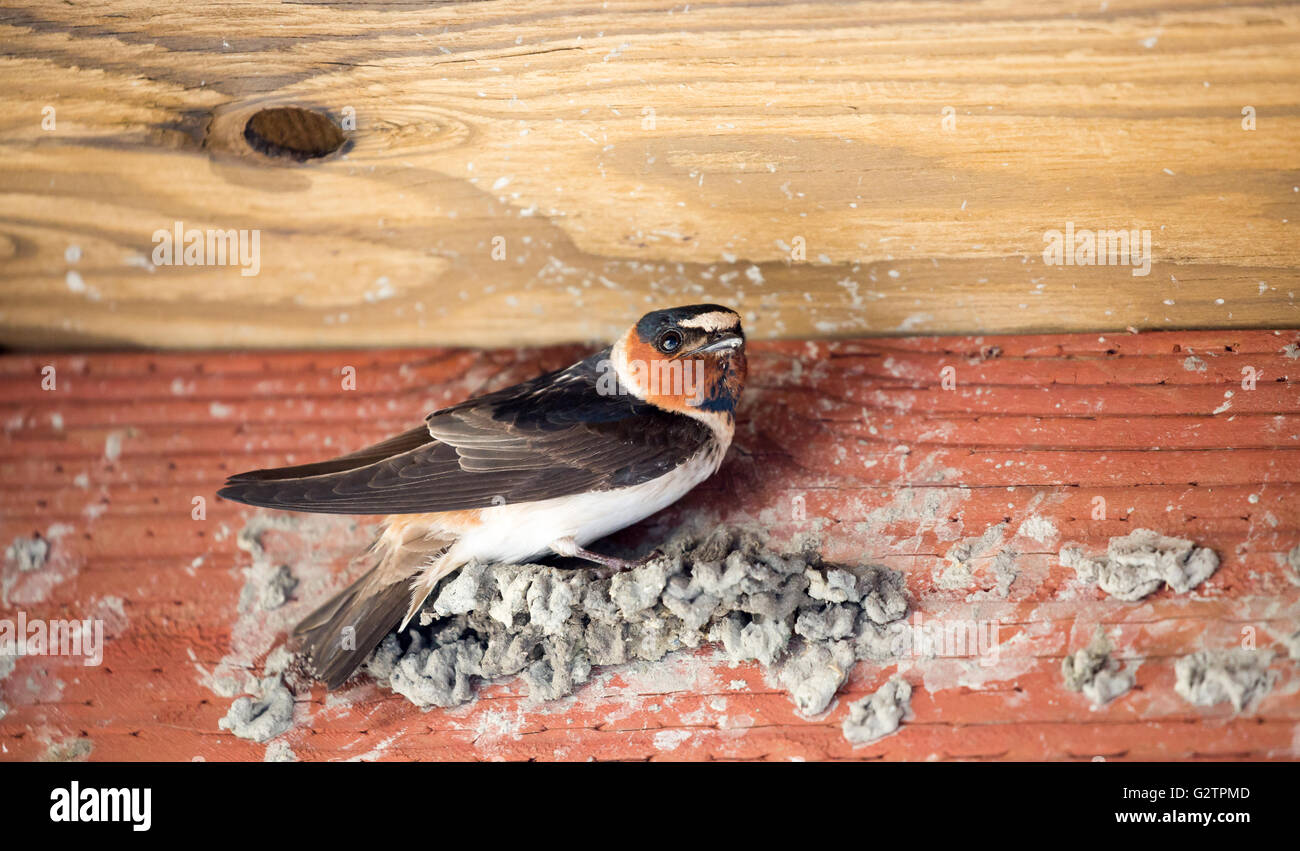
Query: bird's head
(689, 359)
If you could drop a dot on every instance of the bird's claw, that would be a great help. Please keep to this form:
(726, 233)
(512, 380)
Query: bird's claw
(607, 566)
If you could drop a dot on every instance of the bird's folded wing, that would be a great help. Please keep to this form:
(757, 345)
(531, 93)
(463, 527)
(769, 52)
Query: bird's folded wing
(403, 442)
(551, 437)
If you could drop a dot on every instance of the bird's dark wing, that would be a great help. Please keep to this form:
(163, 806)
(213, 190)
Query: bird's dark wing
(404, 442)
(562, 433)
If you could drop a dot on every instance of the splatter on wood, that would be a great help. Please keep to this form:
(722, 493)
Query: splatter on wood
(971, 493)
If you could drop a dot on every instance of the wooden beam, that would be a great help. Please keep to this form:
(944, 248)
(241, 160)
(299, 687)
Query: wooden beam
(833, 169)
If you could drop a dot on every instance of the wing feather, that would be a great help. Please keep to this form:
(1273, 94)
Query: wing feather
(553, 436)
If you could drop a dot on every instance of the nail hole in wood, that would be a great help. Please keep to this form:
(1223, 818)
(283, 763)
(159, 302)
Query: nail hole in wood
(293, 133)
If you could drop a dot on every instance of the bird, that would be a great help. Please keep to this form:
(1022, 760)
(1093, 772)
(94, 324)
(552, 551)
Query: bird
(541, 468)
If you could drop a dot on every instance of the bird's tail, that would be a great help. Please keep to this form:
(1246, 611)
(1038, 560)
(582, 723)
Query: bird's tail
(337, 637)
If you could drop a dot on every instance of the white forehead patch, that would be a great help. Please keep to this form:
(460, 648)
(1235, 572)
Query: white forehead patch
(716, 320)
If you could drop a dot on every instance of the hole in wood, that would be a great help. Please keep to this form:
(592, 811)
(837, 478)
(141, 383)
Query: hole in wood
(290, 132)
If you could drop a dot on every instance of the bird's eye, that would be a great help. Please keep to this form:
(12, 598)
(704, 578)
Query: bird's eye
(669, 342)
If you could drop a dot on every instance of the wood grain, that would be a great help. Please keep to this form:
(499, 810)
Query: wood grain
(857, 440)
(641, 154)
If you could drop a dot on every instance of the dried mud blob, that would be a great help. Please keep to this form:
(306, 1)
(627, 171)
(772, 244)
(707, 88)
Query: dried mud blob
(290, 132)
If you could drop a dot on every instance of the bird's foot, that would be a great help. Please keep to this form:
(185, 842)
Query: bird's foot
(608, 565)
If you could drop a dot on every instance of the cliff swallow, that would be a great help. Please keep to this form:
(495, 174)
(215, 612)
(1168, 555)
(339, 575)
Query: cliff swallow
(546, 466)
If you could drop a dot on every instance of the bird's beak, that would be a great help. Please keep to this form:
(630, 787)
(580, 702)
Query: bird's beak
(724, 343)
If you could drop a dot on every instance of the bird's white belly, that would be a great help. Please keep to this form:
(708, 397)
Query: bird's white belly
(517, 533)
